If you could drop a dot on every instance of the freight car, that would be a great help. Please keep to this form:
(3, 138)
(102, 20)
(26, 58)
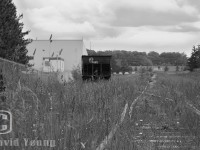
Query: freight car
(96, 67)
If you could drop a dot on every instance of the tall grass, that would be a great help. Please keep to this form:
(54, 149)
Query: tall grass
(77, 115)
(180, 89)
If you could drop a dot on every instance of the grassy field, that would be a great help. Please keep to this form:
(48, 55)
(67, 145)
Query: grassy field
(79, 115)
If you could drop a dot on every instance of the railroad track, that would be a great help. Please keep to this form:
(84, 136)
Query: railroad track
(151, 134)
(160, 138)
(151, 129)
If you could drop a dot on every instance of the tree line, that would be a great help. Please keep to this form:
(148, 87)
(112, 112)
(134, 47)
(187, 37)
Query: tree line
(123, 60)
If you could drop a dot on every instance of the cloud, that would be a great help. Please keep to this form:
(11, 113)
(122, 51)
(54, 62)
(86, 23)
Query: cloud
(145, 39)
(121, 24)
(50, 19)
(146, 17)
(185, 28)
(192, 3)
(192, 27)
(155, 37)
(152, 12)
(92, 18)
(73, 17)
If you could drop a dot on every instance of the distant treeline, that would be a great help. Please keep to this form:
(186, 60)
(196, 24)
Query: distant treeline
(122, 60)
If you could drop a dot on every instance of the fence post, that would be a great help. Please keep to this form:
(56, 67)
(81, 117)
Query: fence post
(2, 87)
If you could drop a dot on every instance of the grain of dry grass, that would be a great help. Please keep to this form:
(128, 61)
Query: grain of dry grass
(79, 115)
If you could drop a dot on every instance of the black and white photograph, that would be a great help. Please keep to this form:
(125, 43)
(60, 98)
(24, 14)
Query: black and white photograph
(99, 75)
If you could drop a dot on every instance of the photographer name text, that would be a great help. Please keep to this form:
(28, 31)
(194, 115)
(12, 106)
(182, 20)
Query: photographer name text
(28, 143)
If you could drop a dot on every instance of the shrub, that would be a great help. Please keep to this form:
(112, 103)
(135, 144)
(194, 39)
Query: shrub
(150, 69)
(177, 68)
(135, 69)
(166, 68)
(76, 73)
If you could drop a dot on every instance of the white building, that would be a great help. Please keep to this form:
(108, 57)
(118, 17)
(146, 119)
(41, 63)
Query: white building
(53, 64)
(69, 52)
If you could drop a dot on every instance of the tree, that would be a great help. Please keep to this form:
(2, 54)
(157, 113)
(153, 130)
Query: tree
(173, 58)
(125, 67)
(91, 52)
(154, 57)
(177, 68)
(12, 38)
(135, 69)
(194, 60)
(115, 66)
(166, 68)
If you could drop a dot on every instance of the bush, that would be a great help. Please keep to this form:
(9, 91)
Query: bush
(76, 73)
(166, 68)
(150, 69)
(135, 69)
(177, 68)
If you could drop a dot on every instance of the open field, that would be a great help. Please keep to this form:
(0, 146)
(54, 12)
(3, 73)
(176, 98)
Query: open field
(135, 112)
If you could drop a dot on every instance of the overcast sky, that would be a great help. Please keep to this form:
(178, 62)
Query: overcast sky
(138, 25)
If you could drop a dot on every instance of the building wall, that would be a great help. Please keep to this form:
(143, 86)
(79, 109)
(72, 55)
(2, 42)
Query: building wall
(53, 65)
(84, 51)
(72, 52)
